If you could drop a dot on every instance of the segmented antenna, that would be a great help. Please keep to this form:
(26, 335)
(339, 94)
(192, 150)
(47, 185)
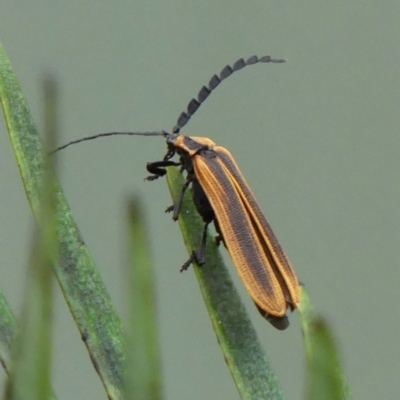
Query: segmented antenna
(205, 91)
(193, 105)
(99, 135)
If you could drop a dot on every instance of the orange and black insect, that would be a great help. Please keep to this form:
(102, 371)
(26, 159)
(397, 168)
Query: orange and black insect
(221, 195)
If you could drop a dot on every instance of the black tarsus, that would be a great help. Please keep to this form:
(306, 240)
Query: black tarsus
(189, 262)
(169, 209)
(205, 91)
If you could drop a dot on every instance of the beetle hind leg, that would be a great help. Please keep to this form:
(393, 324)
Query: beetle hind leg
(219, 238)
(169, 209)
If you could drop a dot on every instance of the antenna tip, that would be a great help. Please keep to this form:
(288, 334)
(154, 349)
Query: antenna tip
(273, 60)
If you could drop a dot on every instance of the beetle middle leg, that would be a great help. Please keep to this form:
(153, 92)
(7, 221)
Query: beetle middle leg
(176, 207)
(199, 257)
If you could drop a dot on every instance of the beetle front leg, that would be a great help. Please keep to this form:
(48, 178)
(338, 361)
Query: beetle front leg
(157, 168)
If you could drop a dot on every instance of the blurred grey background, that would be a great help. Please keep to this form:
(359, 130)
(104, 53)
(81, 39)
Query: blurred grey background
(317, 139)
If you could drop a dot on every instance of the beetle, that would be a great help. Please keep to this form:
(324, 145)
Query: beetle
(221, 195)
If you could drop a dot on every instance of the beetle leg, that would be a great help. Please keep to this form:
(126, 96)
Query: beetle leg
(219, 238)
(157, 168)
(169, 209)
(187, 264)
(201, 254)
(198, 257)
(176, 207)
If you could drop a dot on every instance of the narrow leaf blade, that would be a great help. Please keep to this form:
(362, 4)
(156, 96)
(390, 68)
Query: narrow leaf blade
(83, 289)
(30, 377)
(325, 376)
(8, 330)
(143, 379)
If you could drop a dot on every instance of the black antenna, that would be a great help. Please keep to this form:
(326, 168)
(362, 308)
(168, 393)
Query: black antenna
(99, 135)
(194, 104)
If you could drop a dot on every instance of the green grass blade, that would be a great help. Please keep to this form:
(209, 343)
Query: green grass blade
(8, 330)
(246, 360)
(31, 353)
(83, 289)
(325, 376)
(143, 379)
(30, 377)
